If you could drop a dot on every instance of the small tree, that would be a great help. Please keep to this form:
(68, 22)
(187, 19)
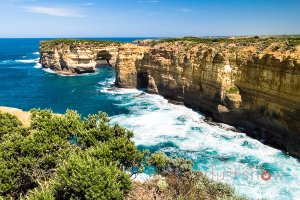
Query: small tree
(159, 160)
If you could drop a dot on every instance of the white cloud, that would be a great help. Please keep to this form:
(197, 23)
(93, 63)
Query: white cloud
(53, 11)
(89, 4)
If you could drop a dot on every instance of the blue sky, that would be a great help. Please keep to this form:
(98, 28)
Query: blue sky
(147, 18)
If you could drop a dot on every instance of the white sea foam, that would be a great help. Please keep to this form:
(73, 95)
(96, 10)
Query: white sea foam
(106, 82)
(36, 53)
(37, 65)
(85, 74)
(36, 60)
(49, 70)
(185, 133)
(3, 62)
(141, 177)
(119, 91)
(28, 61)
(64, 75)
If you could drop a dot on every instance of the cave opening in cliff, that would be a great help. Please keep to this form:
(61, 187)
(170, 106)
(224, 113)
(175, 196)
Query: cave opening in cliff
(142, 80)
(103, 58)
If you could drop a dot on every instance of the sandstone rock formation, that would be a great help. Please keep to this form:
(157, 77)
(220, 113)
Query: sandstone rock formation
(69, 57)
(255, 84)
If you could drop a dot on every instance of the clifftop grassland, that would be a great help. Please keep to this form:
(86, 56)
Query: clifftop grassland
(291, 40)
(49, 45)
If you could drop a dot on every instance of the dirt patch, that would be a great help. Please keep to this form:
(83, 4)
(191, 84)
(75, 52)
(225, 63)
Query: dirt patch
(23, 116)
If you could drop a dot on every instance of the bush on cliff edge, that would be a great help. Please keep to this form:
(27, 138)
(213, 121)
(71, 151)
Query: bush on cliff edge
(63, 150)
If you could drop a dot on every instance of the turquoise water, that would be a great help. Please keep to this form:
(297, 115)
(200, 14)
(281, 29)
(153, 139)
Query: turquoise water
(223, 155)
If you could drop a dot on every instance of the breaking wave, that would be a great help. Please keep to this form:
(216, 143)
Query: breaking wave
(214, 148)
(37, 65)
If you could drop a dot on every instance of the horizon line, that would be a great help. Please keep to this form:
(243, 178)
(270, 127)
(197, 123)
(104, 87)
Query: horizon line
(104, 37)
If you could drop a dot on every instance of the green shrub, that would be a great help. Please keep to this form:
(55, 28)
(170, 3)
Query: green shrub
(9, 124)
(97, 129)
(43, 192)
(294, 41)
(233, 90)
(120, 151)
(85, 177)
(165, 164)
(184, 183)
(64, 126)
(158, 160)
(15, 165)
(29, 156)
(26, 159)
(125, 152)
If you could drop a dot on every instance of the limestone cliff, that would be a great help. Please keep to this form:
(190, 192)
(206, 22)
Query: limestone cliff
(76, 57)
(252, 84)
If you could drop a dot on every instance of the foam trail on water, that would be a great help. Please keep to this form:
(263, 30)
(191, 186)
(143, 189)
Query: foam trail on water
(3, 62)
(27, 61)
(180, 131)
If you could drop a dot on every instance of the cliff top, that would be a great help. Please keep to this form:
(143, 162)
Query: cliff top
(289, 40)
(281, 47)
(48, 45)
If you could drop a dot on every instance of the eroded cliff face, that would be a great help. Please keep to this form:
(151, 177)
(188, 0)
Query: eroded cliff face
(77, 57)
(252, 85)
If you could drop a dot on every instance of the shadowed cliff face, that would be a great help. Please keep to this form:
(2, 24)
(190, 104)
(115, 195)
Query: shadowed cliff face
(252, 85)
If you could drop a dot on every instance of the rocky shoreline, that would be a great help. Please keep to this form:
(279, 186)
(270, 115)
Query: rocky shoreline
(249, 83)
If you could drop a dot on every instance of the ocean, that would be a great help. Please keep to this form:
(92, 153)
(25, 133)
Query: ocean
(224, 155)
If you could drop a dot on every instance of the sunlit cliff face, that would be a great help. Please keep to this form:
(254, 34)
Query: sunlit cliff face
(253, 85)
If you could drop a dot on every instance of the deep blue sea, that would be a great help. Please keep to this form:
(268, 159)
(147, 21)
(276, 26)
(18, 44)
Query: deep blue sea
(223, 155)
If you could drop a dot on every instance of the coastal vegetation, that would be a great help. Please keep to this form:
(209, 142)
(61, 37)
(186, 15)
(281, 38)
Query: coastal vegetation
(233, 90)
(292, 40)
(70, 157)
(48, 45)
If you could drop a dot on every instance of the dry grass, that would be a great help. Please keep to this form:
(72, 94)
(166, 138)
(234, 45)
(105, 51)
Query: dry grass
(148, 191)
(198, 187)
(23, 116)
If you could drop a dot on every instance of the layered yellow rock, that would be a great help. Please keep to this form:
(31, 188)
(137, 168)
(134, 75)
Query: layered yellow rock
(255, 85)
